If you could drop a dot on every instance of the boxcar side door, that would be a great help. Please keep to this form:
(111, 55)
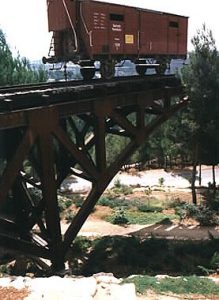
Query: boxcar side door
(152, 33)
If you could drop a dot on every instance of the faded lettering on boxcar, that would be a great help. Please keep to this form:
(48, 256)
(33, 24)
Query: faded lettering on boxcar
(116, 27)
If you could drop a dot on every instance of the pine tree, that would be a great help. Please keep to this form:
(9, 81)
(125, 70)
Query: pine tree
(201, 78)
(16, 70)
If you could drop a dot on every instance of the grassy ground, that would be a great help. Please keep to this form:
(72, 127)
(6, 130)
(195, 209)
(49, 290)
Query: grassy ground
(142, 218)
(180, 286)
(142, 207)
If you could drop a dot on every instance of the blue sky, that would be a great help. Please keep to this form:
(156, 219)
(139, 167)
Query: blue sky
(25, 21)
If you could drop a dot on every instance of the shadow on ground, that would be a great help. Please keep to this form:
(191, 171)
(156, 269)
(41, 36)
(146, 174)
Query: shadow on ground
(124, 256)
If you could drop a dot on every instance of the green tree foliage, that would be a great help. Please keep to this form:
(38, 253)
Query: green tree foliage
(169, 144)
(115, 144)
(201, 78)
(16, 70)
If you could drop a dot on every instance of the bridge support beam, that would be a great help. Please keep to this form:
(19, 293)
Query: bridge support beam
(70, 137)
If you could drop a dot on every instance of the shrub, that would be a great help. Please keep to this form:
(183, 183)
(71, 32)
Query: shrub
(206, 216)
(215, 260)
(147, 208)
(117, 183)
(161, 181)
(213, 202)
(81, 244)
(203, 214)
(120, 218)
(115, 202)
(69, 216)
(175, 203)
(104, 201)
(5, 269)
(142, 218)
(148, 191)
(121, 189)
(78, 200)
(64, 203)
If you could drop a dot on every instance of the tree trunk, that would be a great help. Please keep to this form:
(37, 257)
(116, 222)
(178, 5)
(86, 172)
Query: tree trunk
(170, 162)
(214, 180)
(194, 197)
(194, 169)
(182, 161)
(200, 175)
(165, 162)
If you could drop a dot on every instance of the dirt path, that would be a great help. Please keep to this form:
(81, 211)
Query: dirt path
(95, 227)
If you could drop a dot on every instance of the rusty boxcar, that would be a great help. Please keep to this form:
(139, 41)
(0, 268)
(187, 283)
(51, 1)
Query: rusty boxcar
(85, 31)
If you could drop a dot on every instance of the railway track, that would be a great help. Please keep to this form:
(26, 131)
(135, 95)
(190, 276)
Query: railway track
(35, 95)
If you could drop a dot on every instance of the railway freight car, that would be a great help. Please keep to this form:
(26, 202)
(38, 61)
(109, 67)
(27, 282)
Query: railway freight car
(85, 31)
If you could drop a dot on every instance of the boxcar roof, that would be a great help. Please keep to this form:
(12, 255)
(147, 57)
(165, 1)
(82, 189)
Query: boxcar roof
(140, 8)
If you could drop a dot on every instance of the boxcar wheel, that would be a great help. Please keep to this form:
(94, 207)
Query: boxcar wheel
(141, 70)
(87, 73)
(107, 69)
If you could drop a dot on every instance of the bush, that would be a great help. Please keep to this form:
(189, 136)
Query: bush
(64, 203)
(120, 218)
(117, 184)
(161, 181)
(142, 218)
(69, 216)
(5, 269)
(203, 214)
(175, 203)
(206, 216)
(78, 200)
(213, 203)
(81, 244)
(147, 208)
(148, 191)
(121, 189)
(116, 202)
(104, 201)
(215, 260)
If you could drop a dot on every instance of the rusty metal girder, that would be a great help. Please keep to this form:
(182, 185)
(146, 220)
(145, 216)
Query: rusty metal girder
(50, 143)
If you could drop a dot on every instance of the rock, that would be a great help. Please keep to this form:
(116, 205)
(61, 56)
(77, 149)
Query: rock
(18, 282)
(101, 286)
(106, 278)
(116, 292)
(109, 288)
(56, 288)
(5, 281)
